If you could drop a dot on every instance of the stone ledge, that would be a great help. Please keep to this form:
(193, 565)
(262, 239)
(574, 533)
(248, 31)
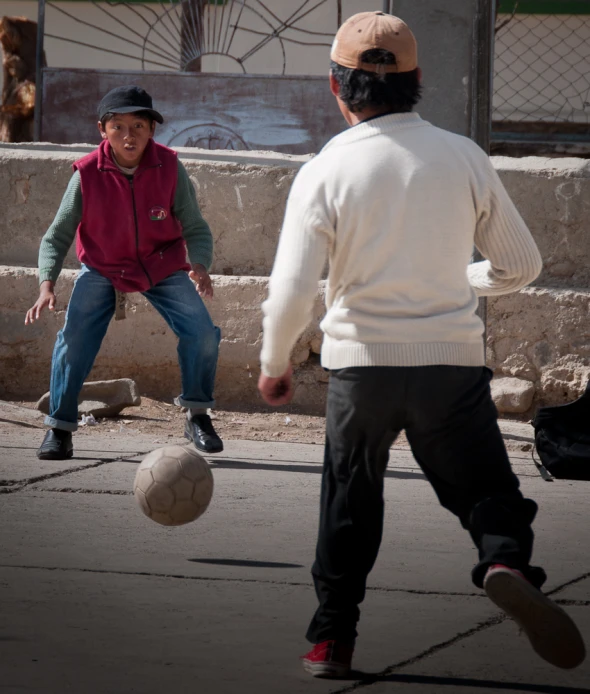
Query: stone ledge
(243, 195)
(538, 335)
(542, 335)
(143, 348)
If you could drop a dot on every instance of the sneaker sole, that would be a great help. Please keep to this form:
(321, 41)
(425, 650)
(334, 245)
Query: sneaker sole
(202, 450)
(325, 670)
(55, 456)
(551, 631)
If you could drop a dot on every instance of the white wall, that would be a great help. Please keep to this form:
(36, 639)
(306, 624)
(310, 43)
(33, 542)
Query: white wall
(307, 60)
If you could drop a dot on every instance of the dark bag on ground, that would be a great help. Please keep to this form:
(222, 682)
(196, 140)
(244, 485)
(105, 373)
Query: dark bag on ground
(562, 439)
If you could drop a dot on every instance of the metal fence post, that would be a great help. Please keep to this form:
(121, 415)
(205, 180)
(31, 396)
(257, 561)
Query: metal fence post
(39, 70)
(482, 76)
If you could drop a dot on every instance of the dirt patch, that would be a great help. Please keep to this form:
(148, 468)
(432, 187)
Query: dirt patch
(164, 420)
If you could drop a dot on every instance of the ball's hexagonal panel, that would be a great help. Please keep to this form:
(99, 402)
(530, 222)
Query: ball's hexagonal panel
(142, 501)
(194, 466)
(183, 489)
(151, 458)
(143, 479)
(184, 512)
(160, 498)
(203, 493)
(162, 518)
(167, 470)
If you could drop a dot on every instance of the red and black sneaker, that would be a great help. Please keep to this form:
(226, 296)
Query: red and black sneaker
(329, 659)
(551, 631)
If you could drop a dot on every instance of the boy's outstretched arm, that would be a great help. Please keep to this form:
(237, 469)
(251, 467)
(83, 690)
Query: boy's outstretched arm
(195, 231)
(55, 246)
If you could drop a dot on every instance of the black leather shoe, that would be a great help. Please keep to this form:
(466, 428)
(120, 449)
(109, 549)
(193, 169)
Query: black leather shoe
(57, 445)
(200, 431)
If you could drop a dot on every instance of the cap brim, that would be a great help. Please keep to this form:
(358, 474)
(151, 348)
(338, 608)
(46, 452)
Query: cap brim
(134, 109)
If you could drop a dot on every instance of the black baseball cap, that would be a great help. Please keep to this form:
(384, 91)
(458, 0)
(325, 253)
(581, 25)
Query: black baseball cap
(127, 100)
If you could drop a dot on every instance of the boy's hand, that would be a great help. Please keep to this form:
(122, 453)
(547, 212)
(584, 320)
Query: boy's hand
(46, 299)
(277, 391)
(200, 277)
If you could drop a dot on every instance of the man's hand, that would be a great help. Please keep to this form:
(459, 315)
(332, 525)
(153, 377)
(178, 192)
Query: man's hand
(277, 391)
(46, 299)
(202, 280)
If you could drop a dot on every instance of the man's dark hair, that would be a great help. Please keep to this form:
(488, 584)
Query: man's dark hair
(146, 115)
(359, 89)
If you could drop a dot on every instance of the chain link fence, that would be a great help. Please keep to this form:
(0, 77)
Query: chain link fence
(542, 76)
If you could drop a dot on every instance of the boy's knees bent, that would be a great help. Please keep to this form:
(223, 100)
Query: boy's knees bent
(207, 336)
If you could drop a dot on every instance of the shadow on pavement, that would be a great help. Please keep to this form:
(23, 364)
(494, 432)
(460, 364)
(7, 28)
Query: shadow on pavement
(314, 468)
(248, 562)
(367, 678)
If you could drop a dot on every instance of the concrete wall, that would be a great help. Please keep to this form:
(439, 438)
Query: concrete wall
(143, 348)
(541, 334)
(242, 196)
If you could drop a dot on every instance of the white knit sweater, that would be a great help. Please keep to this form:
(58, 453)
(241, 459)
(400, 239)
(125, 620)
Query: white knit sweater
(397, 204)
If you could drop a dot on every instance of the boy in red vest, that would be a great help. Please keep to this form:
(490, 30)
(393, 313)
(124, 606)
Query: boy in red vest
(133, 210)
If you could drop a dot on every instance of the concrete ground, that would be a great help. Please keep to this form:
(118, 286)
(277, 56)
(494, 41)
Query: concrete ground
(97, 599)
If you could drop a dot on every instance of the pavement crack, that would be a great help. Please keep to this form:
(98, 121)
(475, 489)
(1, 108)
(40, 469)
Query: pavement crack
(367, 680)
(11, 486)
(229, 579)
(78, 490)
(567, 584)
(573, 603)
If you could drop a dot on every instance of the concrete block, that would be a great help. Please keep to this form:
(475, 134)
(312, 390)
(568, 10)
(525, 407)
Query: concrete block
(102, 398)
(543, 336)
(553, 197)
(243, 195)
(143, 348)
(538, 335)
(512, 395)
(20, 415)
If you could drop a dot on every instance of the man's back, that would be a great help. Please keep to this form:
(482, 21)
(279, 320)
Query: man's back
(399, 203)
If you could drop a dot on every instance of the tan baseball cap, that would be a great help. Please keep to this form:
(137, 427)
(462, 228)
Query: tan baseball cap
(369, 30)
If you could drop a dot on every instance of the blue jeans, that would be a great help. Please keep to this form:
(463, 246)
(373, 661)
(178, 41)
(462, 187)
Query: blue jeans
(89, 313)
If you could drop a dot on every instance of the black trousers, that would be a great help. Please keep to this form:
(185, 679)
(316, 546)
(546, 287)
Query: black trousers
(451, 423)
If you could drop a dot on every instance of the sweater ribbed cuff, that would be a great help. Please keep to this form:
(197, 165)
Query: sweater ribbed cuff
(46, 276)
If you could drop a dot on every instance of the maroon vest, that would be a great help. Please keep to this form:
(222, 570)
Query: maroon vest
(128, 231)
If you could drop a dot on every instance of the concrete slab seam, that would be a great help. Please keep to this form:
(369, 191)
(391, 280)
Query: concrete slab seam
(79, 490)
(26, 425)
(563, 586)
(295, 584)
(189, 577)
(10, 486)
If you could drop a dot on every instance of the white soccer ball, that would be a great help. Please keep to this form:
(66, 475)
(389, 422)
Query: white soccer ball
(173, 485)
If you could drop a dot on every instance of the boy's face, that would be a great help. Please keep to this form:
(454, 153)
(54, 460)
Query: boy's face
(128, 135)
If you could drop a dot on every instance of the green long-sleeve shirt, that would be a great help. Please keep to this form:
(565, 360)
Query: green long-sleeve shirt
(59, 237)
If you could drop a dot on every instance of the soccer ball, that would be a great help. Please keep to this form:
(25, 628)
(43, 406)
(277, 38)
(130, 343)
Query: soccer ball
(173, 485)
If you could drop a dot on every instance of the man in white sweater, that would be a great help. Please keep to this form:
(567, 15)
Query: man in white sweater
(397, 205)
